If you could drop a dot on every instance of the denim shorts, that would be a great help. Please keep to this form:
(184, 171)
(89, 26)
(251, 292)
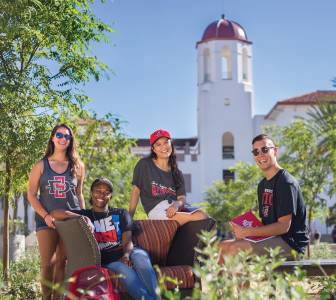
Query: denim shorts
(40, 223)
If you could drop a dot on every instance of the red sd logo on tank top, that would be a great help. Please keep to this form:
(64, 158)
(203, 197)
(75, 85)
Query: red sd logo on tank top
(59, 187)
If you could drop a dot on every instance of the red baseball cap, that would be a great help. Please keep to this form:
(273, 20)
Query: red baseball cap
(158, 134)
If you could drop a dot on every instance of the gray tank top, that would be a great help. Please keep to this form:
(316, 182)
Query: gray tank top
(58, 191)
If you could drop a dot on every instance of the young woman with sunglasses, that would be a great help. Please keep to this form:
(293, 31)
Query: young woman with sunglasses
(58, 179)
(159, 183)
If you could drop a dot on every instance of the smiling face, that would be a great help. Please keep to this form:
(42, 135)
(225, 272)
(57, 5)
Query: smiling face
(266, 154)
(100, 196)
(61, 138)
(162, 148)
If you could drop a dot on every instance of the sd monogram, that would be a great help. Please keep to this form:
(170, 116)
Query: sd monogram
(59, 187)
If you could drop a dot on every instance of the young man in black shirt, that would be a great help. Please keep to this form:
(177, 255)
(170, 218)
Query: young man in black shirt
(281, 208)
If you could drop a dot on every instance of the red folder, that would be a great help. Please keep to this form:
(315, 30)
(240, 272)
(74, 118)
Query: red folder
(248, 219)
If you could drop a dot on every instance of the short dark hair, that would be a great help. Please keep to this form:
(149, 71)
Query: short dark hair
(261, 137)
(98, 181)
(102, 180)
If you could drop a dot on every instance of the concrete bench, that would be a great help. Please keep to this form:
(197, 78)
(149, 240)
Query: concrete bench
(321, 267)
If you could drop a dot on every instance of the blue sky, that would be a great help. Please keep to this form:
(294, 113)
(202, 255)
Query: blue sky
(153, 57)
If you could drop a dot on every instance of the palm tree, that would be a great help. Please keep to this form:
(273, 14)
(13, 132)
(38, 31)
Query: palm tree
(323, 117)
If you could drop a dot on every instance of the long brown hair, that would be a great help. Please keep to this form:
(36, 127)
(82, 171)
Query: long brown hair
(71, 152)
(172, 162)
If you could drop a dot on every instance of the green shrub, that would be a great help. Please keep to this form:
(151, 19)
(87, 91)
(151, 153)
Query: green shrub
(162, 290)
(23, 279)
(328, 287)
(228, 200)
(244, 276)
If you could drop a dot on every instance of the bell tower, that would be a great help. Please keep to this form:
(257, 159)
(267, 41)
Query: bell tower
(225, 104)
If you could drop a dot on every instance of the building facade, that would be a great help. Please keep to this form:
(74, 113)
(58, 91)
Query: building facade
(226, 120)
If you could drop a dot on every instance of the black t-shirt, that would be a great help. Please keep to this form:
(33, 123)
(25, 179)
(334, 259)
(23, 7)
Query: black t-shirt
(281, 196)
(109, 228)
(155, 184)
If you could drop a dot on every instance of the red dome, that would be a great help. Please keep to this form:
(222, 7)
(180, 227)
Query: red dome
(224, 30)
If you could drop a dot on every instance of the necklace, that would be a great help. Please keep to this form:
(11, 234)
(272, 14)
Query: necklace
(94, 216)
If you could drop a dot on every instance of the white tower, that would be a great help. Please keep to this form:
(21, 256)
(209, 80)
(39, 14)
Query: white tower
(225, 99)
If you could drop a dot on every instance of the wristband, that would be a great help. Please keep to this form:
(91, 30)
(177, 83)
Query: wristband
(45, 216)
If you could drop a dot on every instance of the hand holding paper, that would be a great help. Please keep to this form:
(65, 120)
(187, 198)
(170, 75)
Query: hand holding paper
(241, 223)
(238, 231)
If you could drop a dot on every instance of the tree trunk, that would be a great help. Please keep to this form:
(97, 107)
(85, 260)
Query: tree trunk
(310, 215)
(26, 220)
(15, 212)
(5, 258)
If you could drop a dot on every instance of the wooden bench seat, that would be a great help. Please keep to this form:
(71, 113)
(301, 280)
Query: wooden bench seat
(321, 267)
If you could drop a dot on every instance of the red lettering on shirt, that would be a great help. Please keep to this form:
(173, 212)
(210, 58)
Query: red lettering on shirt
(106, 237)
(161, 190)
(57, 187)
(267, 202)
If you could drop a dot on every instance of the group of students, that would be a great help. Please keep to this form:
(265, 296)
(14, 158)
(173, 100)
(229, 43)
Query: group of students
(55, 193)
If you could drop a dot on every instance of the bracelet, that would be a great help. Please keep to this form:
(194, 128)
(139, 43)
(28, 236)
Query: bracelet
(45, 216)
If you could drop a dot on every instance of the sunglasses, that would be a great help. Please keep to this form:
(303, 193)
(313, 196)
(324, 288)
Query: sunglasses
(264, 150)
(60, 135)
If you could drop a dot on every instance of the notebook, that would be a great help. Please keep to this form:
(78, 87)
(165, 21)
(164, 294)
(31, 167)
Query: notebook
(248, 219)
(188, 209)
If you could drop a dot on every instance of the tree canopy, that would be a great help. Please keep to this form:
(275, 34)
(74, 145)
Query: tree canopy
(227, 200)
(44, 59)
(106, 152)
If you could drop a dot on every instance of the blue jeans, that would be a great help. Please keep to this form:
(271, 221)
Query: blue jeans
(139, 281)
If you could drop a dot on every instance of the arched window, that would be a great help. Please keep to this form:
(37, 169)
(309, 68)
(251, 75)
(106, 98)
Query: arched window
(206, 57)
(227, 146)
(228, 176)
(226, 63)
(245, 65)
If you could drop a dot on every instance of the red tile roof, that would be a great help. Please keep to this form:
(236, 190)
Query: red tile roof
(224, 29)
(307, 99)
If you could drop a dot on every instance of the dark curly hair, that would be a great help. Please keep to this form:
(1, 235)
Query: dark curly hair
(98, 181)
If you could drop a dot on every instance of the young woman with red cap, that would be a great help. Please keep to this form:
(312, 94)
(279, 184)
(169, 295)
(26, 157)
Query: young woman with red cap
(160, 184)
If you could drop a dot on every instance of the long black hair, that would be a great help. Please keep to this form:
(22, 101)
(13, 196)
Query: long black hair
(172, 162)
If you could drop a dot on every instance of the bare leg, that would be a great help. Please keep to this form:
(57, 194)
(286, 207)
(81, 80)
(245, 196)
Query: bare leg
(185, 218)
(59, 268)
(47, 241)
(232, 247)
